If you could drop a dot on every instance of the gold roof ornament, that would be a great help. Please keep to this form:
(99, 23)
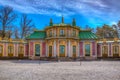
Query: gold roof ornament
(115, 39)
(21, 41)
(104, 40)
(10, 40)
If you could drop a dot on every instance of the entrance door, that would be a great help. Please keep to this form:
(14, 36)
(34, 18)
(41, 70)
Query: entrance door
(62, 51)
(50, 51)
(105, 51)
(37, 49)
(115, 51)
(74, 51)
(87, 50)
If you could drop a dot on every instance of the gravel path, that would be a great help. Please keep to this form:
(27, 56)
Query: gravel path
(32, 70)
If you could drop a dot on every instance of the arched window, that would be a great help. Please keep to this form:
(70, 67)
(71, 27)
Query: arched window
(21, 50)
(50, 51)
(37, 49)
(10, 49)
(50, 33)
(115, 49)
(105, 49)
(74, 49)
(74, 33)
(62, 32)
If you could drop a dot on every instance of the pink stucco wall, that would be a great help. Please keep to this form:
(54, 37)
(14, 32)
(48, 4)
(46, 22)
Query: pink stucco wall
(26, 49)
(93, 48)
(98, 50)
(81, 49)
(43, 48)
(31, 48)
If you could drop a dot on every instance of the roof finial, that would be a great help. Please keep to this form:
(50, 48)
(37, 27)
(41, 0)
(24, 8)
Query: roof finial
(62, 15)
(51, 23)
(62, 19)
(74, 22)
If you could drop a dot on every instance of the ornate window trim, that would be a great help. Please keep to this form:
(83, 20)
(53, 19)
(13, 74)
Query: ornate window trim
(39, 50)
(62, 32)
(104, 49)
(21, 50)
(10, 49)
(115, 49)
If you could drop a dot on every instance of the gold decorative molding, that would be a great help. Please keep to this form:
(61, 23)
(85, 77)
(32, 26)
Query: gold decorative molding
(115, 39)
(10, 44)
(10, 40)
(87, 42)
(21, 41)
(62, 42)
(50, 42)
(104, 40)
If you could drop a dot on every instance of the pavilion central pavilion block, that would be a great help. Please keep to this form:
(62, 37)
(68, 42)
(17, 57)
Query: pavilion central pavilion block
(62, 40)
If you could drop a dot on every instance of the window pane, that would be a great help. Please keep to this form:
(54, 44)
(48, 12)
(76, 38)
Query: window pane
(116, 49)
(74, 33)
(21, 50)
(61, 32)
(10, 49)
(74, 49)
(50, 49)
(87, 49)
(62, 49)
(37, 49)
(50, 34)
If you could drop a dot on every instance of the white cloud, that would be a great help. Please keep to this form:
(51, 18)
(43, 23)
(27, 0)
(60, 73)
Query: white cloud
(87, 8)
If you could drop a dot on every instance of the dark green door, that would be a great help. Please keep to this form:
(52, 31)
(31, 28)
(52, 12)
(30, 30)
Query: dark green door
(74, 51)
(62, 51)
(87, 50)
(37, 49)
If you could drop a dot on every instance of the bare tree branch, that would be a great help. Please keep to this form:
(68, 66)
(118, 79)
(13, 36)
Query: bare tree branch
(7, 16)
(26, 26)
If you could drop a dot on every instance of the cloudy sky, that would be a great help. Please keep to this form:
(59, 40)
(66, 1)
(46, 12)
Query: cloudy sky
(87, 12)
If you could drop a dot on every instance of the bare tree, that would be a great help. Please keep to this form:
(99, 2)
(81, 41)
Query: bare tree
(26, 26)
(16, 33)
(106, 32)
(117, 28)
(7, 16)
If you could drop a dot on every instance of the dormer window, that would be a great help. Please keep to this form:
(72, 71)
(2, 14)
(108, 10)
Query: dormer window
(50, 33)
(62, 32)
(74, 33)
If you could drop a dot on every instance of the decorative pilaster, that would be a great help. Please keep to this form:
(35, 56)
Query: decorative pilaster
(58, 48)
(110, 49)
(54, 48)
(69, 48)
(78, 51)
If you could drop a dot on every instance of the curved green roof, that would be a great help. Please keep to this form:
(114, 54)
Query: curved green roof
(83, 35)
(37, 35)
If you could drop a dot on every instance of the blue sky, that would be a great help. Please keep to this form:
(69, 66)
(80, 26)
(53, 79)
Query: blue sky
(87, 12)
